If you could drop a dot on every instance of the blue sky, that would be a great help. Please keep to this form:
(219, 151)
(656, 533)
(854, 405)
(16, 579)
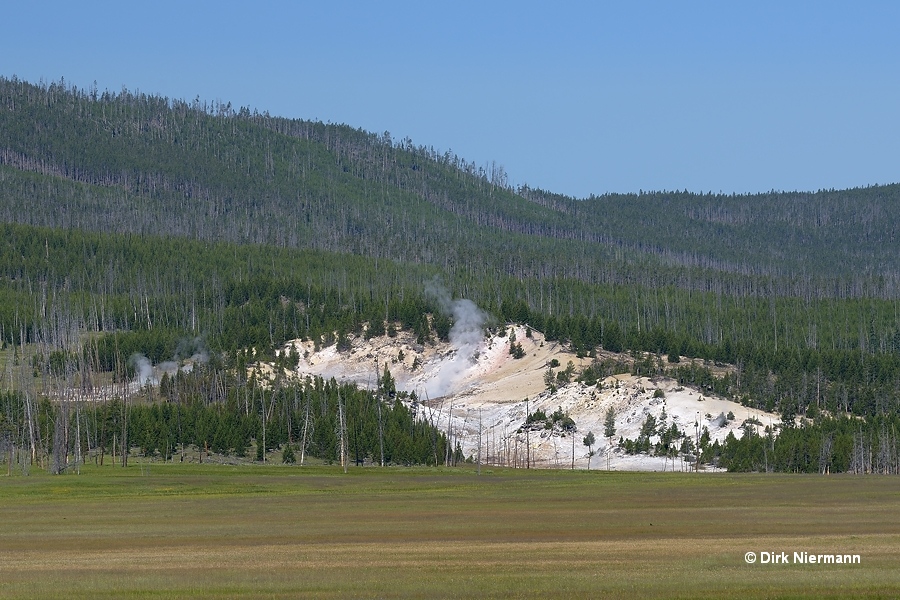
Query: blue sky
(574, 97)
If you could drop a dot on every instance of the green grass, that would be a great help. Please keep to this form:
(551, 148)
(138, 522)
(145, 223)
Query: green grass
(215, 531)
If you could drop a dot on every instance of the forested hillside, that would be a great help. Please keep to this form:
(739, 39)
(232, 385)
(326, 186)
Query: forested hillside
(133, 222)
(129, 162)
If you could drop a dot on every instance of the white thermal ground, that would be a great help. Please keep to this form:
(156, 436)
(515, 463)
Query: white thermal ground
(490, 388)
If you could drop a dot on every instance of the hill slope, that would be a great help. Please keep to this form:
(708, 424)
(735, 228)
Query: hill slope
(161, 219)
(144, 164)
(491, 393)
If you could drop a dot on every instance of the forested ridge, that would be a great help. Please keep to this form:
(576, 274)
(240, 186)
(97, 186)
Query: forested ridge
(131, 162)
(134, 222)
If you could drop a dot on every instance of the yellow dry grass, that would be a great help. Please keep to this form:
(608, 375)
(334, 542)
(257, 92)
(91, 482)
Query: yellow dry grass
(279, 532)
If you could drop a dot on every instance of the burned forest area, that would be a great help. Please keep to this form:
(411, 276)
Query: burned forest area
(194, 282)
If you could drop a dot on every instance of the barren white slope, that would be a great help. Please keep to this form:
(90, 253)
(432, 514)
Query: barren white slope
(488, 393)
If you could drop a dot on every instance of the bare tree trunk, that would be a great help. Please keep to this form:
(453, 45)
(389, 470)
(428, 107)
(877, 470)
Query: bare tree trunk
(29, 416)
(56, 457)
(433, 428)
(380, 431)
(449, 451)
(342, 425)
(528, 437)
(479, 441)
(125, 431)
(573, 449)
(262, 399)
(305, 429)
(77, 440)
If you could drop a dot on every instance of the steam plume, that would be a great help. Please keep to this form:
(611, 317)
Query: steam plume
(465, 337)
(148, 375)
(143, 370)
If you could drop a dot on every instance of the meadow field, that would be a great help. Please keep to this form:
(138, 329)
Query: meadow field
(217, 531)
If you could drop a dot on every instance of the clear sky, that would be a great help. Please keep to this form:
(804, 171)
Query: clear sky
(573, 97)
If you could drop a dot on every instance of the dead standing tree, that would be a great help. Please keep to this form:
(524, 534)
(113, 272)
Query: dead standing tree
(306, 424)
(342, 426)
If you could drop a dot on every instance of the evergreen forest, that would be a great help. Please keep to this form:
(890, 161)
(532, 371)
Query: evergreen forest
(139, 225)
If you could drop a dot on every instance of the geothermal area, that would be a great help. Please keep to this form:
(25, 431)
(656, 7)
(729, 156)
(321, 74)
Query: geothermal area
(475, 390)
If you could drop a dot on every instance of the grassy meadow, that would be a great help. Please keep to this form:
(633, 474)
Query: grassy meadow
(217, 531)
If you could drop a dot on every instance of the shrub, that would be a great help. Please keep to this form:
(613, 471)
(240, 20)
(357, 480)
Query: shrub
(536, 417)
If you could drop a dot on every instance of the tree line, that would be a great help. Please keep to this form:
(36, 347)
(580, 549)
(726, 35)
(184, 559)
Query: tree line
(826, 445)
(222, 411)
(144, 294)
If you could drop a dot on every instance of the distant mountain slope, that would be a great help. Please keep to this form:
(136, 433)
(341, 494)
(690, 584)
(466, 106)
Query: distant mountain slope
(145, 164)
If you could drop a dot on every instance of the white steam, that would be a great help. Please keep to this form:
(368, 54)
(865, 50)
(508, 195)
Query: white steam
(466, 337)
(146, 374)
(143, 371)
